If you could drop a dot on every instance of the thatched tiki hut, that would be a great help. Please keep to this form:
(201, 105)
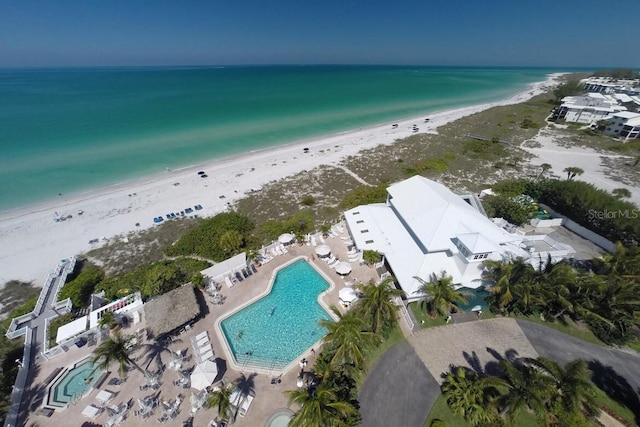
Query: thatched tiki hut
(171, 311)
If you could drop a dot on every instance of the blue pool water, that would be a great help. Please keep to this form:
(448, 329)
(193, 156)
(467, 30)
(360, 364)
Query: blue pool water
(272, 340)
(73, 384)
(477, 299)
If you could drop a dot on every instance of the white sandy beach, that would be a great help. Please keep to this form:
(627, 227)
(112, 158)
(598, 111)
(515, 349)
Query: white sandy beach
(32, 243)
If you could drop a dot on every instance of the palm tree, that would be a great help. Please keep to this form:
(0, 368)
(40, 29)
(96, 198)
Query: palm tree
(573, 392)
(376, 304)
(319, 407)
(572, 172)
(115, 349)
(469, 396)
(440, 295)
(543, 168)
(348, 339)
(108, 320)
(526, 388)
(506, 276)
(220, 398)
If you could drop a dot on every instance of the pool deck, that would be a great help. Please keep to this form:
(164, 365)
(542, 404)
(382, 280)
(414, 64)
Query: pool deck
(268, 397)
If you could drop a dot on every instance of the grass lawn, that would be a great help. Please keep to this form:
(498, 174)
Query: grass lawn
(620, 411)
(424, 320)
(441, 411)
(570, 328)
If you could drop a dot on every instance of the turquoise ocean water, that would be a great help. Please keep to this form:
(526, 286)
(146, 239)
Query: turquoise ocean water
(71, 130)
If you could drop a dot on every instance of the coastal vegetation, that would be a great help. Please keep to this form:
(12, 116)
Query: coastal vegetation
(595, 209)
(557, 395)
(440, 295)
(606, 298)
(331, 398)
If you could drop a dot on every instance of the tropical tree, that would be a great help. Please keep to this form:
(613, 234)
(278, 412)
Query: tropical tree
(320, 407)
(439, 294)
(526, 389)
(220, 399)
(469, 396)
(108, 320)
(376, 304)
(115, 349)
(348, 339)
(506, 276)
(371, 257)
(231, 240)
(573, 171)
(573, 393)
(543, 168)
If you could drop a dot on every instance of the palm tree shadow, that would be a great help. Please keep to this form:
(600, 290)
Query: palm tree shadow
(156, 349)
(474, 362)
(491, 368)
(615, 386)
(246, 384)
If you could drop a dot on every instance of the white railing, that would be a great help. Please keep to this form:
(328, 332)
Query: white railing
(17, 326)
(405, 313)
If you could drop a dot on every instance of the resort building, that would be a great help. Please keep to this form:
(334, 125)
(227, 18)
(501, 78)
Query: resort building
(424, 229)
(625, 125)
(588, 109)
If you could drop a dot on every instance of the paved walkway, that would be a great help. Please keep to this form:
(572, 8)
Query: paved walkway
(399, 390)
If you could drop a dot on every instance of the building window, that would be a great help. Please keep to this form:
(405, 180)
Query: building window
(360, 221)
(368, 242)
(356, 213)
(364, 231)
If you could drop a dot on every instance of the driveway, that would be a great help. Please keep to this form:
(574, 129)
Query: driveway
(399, 390)
(614, 371)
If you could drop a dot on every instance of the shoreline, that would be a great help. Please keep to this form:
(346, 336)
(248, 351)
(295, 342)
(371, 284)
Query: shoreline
(29, 232)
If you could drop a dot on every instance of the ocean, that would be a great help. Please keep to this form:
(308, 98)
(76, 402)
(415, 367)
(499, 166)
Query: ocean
(76, 129)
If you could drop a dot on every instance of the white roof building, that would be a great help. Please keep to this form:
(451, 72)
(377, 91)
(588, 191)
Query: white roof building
(424, 229)
(625, 125)
(588, 109)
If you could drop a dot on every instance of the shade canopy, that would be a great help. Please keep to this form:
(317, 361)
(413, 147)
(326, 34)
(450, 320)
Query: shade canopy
(204, 374)
(323, 250)
(286, 238)
(343, 268)
(347, 295)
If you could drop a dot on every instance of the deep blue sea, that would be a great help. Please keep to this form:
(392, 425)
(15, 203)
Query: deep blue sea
(75, 129)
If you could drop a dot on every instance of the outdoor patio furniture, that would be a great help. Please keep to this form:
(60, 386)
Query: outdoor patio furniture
(104, 396)
(91, 411)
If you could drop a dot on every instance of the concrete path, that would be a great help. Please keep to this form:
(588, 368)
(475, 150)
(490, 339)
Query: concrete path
(399, 390)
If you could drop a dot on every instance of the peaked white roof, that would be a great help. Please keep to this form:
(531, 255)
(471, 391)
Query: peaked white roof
(434, 214)
(476, 243)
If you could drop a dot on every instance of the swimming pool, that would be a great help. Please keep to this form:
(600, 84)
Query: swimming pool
(277, 328)
(73, 383)
(280, 418)
(477, 299)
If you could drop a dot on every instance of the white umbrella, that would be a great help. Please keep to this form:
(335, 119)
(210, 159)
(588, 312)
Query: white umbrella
(343, 268)
(347, 295)
(286, 238)
(204, 374)
(323, 250)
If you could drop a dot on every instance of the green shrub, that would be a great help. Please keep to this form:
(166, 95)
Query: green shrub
(364, 195)
(308, 200)
(205, 239)
(80, 288)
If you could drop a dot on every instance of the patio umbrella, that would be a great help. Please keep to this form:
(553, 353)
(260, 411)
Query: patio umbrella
(286, 238)
(323, 250)
(343, 268)
(347, 295)
(204, 374)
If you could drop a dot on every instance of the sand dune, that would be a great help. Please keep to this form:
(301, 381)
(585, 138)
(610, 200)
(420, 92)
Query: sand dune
(32, 243)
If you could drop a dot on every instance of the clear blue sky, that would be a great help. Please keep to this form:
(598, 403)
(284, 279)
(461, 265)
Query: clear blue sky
(445, 32)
